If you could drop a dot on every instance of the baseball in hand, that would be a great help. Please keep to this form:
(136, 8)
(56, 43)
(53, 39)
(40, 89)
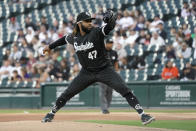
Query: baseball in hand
(41, 51)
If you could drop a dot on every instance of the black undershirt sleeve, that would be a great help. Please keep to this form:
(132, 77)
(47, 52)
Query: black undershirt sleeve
(58, 42)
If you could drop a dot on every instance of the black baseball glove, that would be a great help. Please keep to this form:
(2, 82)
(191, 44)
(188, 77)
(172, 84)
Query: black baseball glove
(109, 16)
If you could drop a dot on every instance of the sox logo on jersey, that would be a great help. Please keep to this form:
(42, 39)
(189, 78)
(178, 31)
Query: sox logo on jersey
(82, 47)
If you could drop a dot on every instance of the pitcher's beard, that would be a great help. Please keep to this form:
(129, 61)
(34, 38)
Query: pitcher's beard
(86, 30)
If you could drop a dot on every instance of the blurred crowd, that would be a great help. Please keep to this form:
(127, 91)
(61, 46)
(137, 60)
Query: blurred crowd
(19, 1)
(23, 62)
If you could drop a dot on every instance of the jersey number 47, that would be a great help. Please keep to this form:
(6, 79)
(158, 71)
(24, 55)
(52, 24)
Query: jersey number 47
(92, 55)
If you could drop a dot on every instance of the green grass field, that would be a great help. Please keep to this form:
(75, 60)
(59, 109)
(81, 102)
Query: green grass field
(189, 125)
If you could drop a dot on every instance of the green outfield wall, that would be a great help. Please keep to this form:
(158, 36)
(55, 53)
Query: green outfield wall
(19, 97)
(149, 93)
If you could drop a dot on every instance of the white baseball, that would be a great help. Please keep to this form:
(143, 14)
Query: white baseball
(41, 51)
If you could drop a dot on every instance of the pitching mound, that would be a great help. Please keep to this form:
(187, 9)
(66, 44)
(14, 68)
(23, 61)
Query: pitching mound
(65, 122)
(68, 126)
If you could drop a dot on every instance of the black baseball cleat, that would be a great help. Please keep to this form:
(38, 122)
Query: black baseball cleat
(48, 118)
(147, 119)
(105, 112)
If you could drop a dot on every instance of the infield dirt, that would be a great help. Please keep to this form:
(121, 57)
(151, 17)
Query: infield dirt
(66, 121)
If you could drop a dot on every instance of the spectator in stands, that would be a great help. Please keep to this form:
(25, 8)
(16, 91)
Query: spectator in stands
(137, 62)
(55, 25)
(153, 27)
(43, 32)
(173, 33)
(134, 14)
(119, 16)
(193, 7)
(99, 17)
(142, 37)
(122, 40)
(185, 51)
(25, 75)
(177, 45)
(21, 35)
(140, 23)
(147, 39)
(34, 74)
(29, 23)
(123, 63)
(54, 67)
(15, 54)
(61, 72)
(72, 62)
(15, 76)
(137, 13)
(64, 70)
(170, 71)
(157, 40)
(180, 32)
(54, 59)
(47, 40)
(74, 71)
(31, 60)
(121, 51)
(44, 22)
(53, 35)
(30, 34)
(170, 52)
(36, 43)
(61, 33)
(14, 25)
(188, 73)
(17, 66)
(189, 40)
(185, 29)
(71, 20)
(41, 63)
(67, 27)
(116, 37)
(5, 70)
(6, 54)
(127, 21)
(25, 47)
(133, 35)
(54, 73)
(186, 10)
(161, 31)
(44, 75)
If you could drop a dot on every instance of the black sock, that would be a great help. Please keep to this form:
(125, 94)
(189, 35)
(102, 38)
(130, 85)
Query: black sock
(133, 102)
(60, 102)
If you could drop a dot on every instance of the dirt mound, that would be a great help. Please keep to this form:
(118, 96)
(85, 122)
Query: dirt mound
(68, 126)
(65, 121)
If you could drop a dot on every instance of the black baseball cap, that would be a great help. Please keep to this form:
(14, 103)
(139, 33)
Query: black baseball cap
(84, 16)
(109, 41)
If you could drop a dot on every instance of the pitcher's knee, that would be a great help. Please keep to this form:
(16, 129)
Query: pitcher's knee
(123, 90)
(128, 94)
(122, 93)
